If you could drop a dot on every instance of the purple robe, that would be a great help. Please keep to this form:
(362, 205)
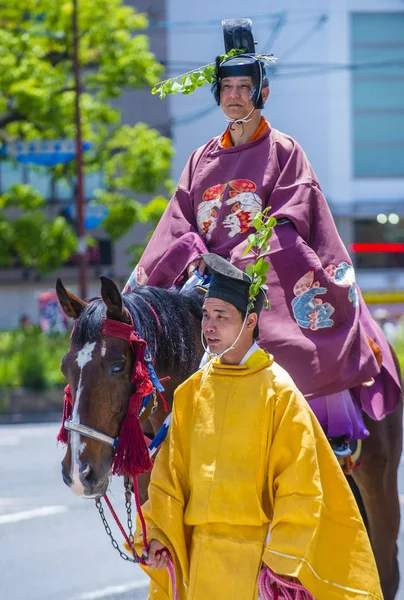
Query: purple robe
(318, 324)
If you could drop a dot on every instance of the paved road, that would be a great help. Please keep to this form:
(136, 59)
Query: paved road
(52, 544)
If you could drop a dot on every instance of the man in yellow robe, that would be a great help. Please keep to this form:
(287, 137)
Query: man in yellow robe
(246, 477)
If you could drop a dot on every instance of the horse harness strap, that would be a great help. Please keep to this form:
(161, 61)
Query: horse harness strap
(92, 433)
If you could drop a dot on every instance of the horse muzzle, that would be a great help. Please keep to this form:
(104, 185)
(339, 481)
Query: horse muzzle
(84, 481)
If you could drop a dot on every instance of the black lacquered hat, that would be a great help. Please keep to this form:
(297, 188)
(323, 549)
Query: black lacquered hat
(237, 35)
(230, 284)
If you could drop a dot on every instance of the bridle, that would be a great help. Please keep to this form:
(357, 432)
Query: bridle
(125, 331)
(92, 433)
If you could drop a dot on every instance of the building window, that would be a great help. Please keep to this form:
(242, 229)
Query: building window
(377, 56)
(373, 234)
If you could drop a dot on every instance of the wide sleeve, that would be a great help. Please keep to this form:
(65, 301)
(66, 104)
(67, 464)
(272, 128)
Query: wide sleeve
(313, 273)
(316, 531)
(175, 242)
(164, 511)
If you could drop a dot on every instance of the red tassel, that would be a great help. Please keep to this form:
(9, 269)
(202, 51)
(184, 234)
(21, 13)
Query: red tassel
(63, 435)
(132, 456)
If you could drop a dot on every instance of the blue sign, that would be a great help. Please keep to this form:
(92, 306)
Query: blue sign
(46, 153)
(94, 214)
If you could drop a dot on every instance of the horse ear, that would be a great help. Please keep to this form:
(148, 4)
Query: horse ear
(113, 299)
(71, 304)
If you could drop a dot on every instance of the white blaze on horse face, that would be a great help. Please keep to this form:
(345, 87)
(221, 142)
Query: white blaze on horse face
(84, 356)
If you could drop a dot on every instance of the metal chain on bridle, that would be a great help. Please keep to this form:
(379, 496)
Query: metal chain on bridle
(129, 538)
(128, 506)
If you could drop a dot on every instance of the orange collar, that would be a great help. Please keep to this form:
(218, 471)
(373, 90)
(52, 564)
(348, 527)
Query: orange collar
(227, 142)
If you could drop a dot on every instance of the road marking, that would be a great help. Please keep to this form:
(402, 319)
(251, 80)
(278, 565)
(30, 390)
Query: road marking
(44, 511)
(9, 440)
(115, 589)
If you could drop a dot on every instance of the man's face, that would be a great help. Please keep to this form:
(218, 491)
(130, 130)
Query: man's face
(221, 324)
(235, 96)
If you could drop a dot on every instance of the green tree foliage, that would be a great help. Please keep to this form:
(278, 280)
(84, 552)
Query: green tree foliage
(28, 235)
(190, 81)
(37, 102)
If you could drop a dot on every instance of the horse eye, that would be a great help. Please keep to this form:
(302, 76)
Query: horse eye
(117, 368)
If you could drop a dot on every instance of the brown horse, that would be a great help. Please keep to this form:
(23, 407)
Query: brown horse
(98, 369)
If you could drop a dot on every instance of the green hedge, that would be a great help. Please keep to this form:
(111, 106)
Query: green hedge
(31, 359)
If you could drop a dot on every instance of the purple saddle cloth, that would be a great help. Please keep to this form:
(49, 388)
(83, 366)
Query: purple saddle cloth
(340, 416)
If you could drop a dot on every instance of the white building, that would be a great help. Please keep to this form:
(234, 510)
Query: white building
(337, 88)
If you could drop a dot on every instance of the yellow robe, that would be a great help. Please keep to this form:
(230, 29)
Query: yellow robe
(245, 453)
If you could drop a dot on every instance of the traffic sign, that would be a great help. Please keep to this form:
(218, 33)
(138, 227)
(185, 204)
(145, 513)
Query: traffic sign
(47, 153)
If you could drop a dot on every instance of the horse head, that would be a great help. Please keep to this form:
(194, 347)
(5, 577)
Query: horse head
(110, 372)
(98, 369)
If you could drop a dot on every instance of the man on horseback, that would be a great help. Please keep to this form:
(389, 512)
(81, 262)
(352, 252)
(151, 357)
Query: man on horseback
(319, 328)
(246, 490)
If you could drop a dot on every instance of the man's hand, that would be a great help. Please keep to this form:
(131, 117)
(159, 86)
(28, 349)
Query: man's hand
(157, 557)
(196, 264)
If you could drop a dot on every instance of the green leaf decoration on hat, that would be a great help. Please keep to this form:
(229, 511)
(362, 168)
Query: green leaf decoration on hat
(258, 244)
(188, 82)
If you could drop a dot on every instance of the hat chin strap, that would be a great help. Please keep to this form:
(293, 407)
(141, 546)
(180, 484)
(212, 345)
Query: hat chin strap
(240, 121)
(213, 354)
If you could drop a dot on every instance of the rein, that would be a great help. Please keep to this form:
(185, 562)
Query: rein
(274, 587)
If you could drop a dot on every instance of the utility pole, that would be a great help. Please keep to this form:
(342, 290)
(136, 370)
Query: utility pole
(80, 206)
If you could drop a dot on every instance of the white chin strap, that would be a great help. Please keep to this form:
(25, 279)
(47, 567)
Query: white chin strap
(240, 121)
(213, 354)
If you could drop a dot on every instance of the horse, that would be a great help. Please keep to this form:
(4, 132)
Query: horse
(98, 369)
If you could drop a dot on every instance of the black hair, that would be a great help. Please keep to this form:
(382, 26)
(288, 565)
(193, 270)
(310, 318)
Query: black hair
(169, 321)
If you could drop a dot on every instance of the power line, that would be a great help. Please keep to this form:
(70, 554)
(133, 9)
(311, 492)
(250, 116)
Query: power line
(276, 29)
(343, 67)
(316, 27)
(296, 68)
(322, 70)
(201, 23)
